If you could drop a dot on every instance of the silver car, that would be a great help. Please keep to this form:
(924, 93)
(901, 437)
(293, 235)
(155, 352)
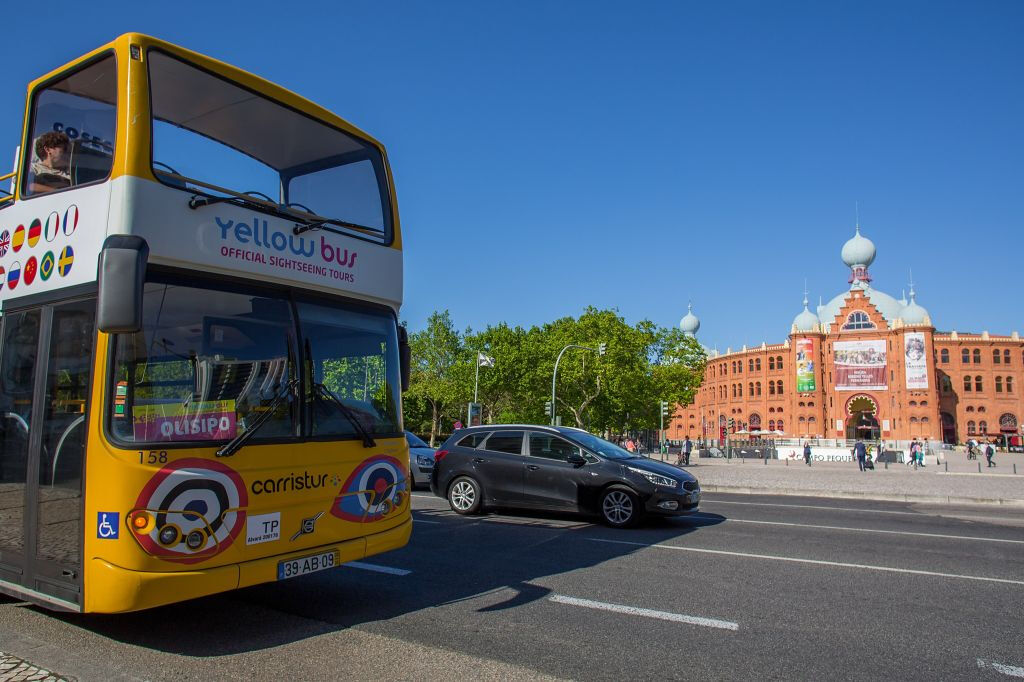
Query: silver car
(421, 460)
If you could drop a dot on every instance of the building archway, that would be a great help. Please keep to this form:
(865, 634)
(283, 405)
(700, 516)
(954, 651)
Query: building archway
(948, 428)
(863, 420)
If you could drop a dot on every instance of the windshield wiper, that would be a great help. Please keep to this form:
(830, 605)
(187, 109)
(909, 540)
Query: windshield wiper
(232, 446)
(326, 225)
(325, 393)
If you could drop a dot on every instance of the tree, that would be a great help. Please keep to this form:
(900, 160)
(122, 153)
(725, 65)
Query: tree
(437, 381)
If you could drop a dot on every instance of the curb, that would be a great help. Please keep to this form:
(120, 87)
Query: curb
(878, 497)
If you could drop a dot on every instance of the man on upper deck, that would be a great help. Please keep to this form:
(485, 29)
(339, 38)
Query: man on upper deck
(50, 168)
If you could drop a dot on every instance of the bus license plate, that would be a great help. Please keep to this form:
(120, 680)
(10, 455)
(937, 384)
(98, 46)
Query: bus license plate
(307, 564)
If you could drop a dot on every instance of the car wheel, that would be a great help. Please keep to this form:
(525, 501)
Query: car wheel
(620, 507)
(464, 495)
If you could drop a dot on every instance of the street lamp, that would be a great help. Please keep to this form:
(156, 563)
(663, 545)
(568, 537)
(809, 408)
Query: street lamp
(600, 350)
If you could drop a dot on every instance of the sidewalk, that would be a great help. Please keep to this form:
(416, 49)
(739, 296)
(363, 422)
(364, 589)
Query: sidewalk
(961, 485)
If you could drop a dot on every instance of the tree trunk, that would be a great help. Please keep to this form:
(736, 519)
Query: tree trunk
(435, 421)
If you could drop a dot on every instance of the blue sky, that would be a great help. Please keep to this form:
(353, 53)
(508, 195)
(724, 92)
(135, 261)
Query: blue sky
(554, 155)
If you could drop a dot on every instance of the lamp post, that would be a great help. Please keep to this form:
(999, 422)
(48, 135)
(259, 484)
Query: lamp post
(600, 350)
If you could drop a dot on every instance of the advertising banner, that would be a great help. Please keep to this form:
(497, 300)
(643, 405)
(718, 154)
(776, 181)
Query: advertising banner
(860, 365)
(207, 420)
(805, 365)
(915, 361)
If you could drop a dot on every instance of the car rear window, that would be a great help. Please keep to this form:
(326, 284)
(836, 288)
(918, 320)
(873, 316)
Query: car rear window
(473, 439)
(506, 441)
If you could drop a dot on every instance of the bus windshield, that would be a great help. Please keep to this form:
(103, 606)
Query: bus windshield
(212, 135)
(210, 362)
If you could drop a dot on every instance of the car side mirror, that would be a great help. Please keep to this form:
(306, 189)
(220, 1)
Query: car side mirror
(121, 274)
(576, 459)
(404, 356)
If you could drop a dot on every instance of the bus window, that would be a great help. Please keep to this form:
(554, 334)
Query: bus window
(350, 352)
(205, 365)
(72, 134)
(210, 133)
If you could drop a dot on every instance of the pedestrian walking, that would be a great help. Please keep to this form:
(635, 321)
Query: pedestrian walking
(989, 454)
(914, 447)
(807, 452)
(922, 451)
(630, 445)
(861, 452)
(684, 453)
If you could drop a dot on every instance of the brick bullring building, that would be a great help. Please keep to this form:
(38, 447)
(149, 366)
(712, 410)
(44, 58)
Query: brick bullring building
(862, 365)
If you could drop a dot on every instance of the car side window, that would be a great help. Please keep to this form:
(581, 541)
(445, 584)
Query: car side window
(506, 441)
(551, 447)
(473, 440)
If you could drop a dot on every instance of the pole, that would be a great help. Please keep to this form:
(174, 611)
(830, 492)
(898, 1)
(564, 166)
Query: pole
(476, 384)
(554, 376)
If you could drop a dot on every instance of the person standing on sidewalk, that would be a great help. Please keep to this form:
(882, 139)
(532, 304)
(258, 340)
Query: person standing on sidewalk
(922, 451)
(807, 452)
(914, 448)
(861, 452)
(684, 453)
(990, 452)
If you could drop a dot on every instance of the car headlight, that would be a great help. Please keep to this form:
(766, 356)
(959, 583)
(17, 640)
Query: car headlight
(424, 461)
(654, 478)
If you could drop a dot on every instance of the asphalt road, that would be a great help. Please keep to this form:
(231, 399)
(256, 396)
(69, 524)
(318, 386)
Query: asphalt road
(752, 587)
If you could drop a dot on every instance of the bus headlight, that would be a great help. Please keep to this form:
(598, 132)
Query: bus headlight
(169, 535)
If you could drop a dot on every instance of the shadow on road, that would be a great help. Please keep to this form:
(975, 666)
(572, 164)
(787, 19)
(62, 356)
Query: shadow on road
(455, 559)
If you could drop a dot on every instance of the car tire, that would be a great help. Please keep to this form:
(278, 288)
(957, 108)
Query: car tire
(620, 507)
(464, 496)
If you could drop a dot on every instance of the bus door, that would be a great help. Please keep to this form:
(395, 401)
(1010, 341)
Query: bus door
(45, 367)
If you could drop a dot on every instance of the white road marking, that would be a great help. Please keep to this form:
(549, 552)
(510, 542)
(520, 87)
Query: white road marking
(647, 613)
(377, 568)
(425, 521)
(816, 562)
(429, 497)
(1008, 670)
(809, 506)
(866, 530)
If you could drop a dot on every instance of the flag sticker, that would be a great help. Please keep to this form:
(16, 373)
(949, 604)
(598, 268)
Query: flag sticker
(70, 220)
(67, 257)
(46, 266)
(30, 271)
(13, 275)
(52, 227)
(19, 238)
(35, 231)
(5, 242)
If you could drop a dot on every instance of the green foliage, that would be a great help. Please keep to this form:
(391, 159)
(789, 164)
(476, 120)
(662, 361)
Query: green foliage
(619, 391)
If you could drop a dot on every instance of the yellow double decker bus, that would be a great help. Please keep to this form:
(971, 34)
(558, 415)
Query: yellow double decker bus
(201, 366)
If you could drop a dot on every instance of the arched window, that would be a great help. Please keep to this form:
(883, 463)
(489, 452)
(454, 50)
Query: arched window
(800, 404)
(750, 388)
(858, 320)
(913, 403)
(1008, 422)
(999, 384)
(739, 367)
(965, 356)
(913, 420)
(967, 384)
(977, 356)
(778, 386)
(771, 424)
(758, 387)
(971, 428)
(771, 410)
(811, 419)
(983, 427)
(778, 411)
(924, 403)
(924, 420)
(997, 357)
(977, 383)
(944, 356)
(970, 408)
(757, 364)
(810, 403)
(750, 364)
(771, 362)
(981, 409)
(778, 362)
(779, 425)
(802, 419)
(734, 390)
(739, 389)
(1009, 384)
(771, 388)
(755, 422)
(1006, 356)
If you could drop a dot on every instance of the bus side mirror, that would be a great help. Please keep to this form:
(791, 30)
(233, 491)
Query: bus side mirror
(122, 272)
(405, 356)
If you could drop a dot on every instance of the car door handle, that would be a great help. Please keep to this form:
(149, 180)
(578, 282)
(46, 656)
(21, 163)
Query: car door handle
(532, 467)
(479, 460)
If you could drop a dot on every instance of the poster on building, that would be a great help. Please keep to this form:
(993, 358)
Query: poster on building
(916, 362)
(860, 365)
(805, 365)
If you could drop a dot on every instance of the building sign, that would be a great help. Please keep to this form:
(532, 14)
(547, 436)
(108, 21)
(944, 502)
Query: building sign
(916, 362)
(860, 365)
(805, 365)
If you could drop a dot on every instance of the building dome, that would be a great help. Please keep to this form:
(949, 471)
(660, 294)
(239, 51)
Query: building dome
(886, 304)
(858, 251)
(912, 313)
(689, 324)
(806, 321)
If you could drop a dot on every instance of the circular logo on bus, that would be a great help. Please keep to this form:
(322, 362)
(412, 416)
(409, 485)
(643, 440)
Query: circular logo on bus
(13, 274)
(51, 227)
(18, 240)
(70, 220)
(199, 509)
(67, 259)
(5, 242)
(46, 265)
(30, 270)
(377, 486)
(35, 231)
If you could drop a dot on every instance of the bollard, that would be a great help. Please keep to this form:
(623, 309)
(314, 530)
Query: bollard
(766, 459)
(1014, 468)
(979, 467)
(886, 465)
(947, 466)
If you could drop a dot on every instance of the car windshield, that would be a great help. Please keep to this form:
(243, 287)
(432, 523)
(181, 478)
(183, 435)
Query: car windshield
(414, 441)
(599, 445)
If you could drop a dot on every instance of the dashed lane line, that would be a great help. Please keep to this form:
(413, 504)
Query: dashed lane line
(704, 500)
(377, 568)
(647, 613)
(864, 530)
(815, 562)
(1008, 670)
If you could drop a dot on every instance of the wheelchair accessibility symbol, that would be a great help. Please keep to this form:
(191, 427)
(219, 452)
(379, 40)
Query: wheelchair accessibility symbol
(107, 526)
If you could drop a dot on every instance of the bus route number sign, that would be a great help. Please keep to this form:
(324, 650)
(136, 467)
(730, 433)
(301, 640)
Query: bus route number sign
(307, 564)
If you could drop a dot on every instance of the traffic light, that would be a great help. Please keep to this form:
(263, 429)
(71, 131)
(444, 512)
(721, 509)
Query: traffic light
(602, 348)
(547, 408)
(732, 424)
(664, 408)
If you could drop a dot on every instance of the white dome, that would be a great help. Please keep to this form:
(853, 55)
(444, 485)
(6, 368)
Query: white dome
(858, 251)
(912, 313)
(806, 321)
(689, 324)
